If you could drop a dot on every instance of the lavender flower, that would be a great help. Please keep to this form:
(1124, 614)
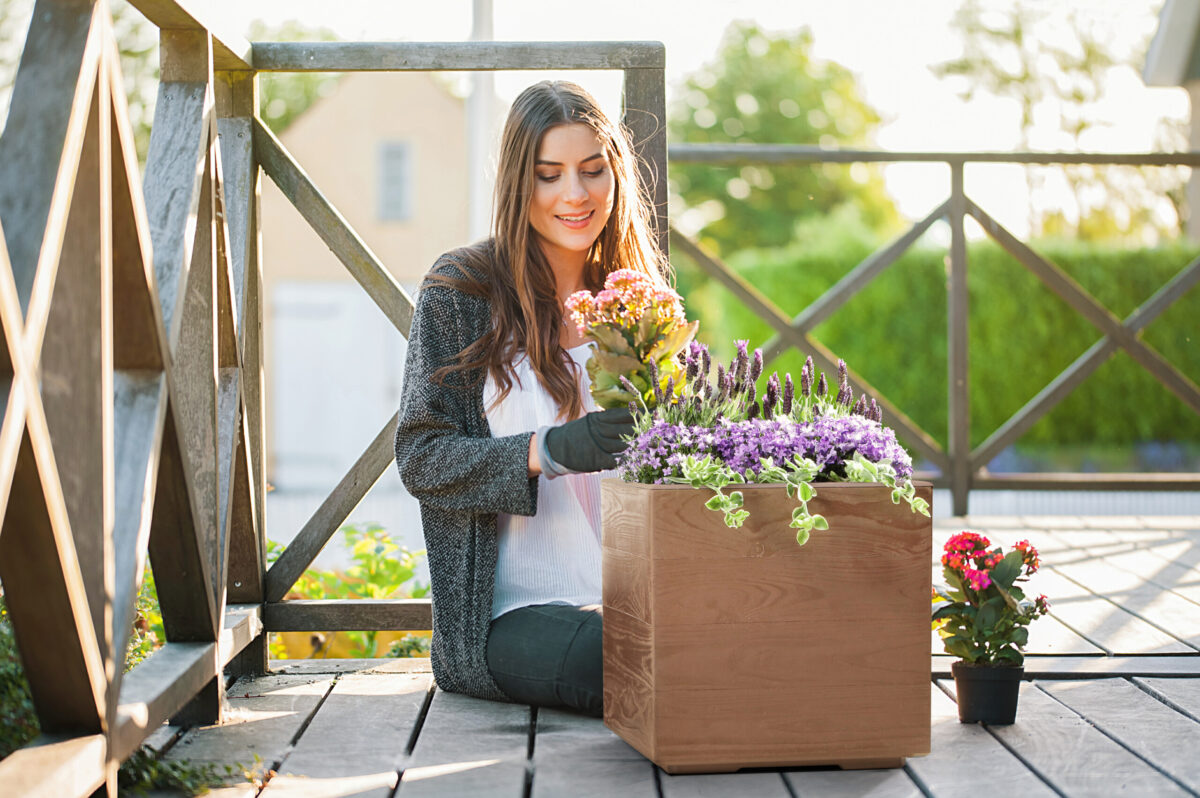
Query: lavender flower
(789, 395)
(772, 397)
(652, 370)
(756, 365)
(742, 362)
(822, 387)
(806, 379)
(876, 412)
(843, 377)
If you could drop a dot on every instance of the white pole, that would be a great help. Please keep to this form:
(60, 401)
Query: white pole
(480, 132)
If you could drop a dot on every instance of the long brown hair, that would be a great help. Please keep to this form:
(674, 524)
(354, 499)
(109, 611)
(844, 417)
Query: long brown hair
(510, 269)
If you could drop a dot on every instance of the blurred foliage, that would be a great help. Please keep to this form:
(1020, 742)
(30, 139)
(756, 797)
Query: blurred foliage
(893, 333)
(768, 88)
(18, 721)
(282, 96)
(382, 569)
(1055, 61)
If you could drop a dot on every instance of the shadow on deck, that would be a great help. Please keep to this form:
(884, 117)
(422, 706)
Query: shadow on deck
(1112, 704)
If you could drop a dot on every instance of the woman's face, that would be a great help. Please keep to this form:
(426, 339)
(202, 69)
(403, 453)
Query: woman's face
(573, 192)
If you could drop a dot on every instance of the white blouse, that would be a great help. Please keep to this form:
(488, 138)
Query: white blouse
(554, 556)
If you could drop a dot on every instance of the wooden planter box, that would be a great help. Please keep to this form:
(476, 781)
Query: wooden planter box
(732, 648)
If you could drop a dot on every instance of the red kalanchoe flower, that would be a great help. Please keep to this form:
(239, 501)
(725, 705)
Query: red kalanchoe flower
(1029, 555)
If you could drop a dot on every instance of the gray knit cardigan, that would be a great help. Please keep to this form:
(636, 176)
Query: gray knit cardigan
(462, 477)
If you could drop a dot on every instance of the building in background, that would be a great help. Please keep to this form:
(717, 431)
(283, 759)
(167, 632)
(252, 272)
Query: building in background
(389, 151)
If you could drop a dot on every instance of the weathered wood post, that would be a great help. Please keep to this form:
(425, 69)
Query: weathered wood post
(959, 443)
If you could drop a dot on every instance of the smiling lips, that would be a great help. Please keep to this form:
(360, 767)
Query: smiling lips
(577, 222)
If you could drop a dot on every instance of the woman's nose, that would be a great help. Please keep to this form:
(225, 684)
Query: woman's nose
(573, 190)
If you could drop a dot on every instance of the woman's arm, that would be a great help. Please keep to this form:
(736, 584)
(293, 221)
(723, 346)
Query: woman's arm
(440, 461)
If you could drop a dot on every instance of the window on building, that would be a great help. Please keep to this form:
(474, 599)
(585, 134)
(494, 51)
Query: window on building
(395, 181)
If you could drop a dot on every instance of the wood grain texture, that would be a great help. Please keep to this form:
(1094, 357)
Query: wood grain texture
(40, 144)
(139, 415)
(174, 173)
(363, 264)
(438, 56)
(188, 606)
(1154, 731)
(326, 615)
(229, 405)
(305, 547)
(158, 688)
(1183, 695)
(1073, 755)
(53, 767)
(1104, 622)
(263, 718)
(1075, 667)
(629, 680)
(247, 555)
(230, 49)
(993, 770)
(139, 337)
(767, 785)
(76, 371)
(576, 755)
(45, 594)
(644, 116)
(357, 743)
(469, 747)
(792, 682)
(889, 783)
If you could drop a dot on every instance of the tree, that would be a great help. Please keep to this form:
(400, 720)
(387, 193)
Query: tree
(1054, 62)
(282, 97)
(765, 88)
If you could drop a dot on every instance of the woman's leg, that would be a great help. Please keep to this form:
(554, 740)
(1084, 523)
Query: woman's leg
(549, 655)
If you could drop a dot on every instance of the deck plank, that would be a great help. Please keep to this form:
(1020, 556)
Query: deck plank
(578, 756)
(1073, 755)
(356, 743)
(1164, 609)
(1154, 731)
(1182, 694)
(469, 747)
(720, 785)
(1102, 621)
(993, 773)
(893, 783)
(264, 715)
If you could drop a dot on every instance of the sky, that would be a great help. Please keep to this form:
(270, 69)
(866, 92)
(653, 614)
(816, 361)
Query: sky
(890, 47)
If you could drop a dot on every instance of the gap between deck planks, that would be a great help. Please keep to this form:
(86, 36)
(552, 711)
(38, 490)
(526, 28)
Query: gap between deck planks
(352, 733)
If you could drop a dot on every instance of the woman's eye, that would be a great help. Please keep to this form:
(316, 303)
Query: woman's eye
(547, 178)
(596, 173)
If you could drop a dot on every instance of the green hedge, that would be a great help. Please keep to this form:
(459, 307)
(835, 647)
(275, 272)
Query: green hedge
(1022, 335)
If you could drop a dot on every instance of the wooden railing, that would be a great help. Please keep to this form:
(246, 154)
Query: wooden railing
(961, 468)
(132, 376)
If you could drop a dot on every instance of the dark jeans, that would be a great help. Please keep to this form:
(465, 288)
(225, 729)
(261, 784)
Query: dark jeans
(548, 655)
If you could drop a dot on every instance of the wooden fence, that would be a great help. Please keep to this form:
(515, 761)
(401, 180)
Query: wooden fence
(132, 376)
(961, 468)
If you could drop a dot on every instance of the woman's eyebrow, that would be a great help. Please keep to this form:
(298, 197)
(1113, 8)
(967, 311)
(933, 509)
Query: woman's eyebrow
(540, 162)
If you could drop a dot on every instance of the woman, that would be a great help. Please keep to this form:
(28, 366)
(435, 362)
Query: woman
(498, 438)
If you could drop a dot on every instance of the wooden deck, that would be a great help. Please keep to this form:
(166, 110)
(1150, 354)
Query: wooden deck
(1112, 705)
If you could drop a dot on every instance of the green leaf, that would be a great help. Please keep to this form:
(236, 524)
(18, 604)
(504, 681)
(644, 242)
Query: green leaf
(819, 522)
(802, 537)
(1007, 570)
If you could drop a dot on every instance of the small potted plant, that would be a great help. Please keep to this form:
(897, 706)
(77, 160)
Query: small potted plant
(982, 617)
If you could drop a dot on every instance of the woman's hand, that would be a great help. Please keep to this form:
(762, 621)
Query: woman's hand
(590, 443)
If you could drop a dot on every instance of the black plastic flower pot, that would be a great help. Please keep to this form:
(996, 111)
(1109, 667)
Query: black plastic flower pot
(987, 693)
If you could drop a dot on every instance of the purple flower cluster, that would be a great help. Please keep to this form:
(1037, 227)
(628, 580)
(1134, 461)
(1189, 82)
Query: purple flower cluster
(830, 441)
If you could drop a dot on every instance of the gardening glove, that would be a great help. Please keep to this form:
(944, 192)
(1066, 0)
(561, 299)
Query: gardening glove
(586, 444)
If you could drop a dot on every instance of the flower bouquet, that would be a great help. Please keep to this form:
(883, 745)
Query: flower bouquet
(638, 330)
(982, 617)
(716, 432)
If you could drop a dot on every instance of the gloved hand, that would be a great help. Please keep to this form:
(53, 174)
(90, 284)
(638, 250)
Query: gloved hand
(589, 443)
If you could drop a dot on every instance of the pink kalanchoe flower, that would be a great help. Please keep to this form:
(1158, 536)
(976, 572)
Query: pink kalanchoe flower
(978, 580)
(969, 543)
